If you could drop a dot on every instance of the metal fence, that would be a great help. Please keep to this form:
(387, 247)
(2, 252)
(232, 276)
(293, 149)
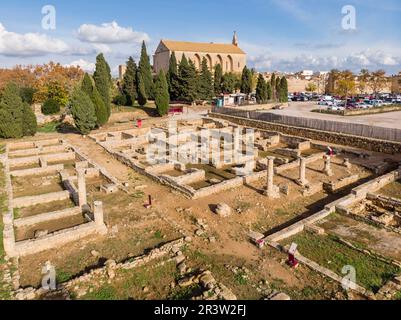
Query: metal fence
(390, 134)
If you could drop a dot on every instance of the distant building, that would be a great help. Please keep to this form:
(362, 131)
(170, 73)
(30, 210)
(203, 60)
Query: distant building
(229, 56)
(121, 71)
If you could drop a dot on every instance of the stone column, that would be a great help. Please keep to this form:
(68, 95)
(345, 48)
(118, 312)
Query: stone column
(302, 172)
(82, 199)
(271, 189)
(99, 216)
(327, 166)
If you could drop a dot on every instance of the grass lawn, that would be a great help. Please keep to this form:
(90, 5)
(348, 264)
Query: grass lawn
(371, 273)
(49, 127)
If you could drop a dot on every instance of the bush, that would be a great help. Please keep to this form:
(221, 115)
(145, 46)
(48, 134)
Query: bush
(83, 112)
(29, 123)
(120, 100)
(50, 106)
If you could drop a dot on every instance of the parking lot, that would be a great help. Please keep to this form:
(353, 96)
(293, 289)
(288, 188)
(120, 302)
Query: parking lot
(304, 109)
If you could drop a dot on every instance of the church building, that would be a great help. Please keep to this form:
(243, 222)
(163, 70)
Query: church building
(229, 56)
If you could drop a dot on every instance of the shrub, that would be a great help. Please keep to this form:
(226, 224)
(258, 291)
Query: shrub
(50, 106)
(120, 100)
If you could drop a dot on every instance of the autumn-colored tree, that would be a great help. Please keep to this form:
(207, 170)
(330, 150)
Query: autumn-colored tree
(378, 81)
(363, 80)
(311, 87)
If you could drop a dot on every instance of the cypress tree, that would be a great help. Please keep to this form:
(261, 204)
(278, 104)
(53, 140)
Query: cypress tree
(83, 111)
(172, 78)
(278, 88)
(100, 109)
(102, 77)
(29, 123)
(187, 77)
(228, 83)
(218, 79)
(129, 82)
(162, 97)
(142, 97)
(261, 90)
(11, 113)
(206, 89)
(246, 81)
(273, 86)
(146, 72)
(283, 90)
(268, 91)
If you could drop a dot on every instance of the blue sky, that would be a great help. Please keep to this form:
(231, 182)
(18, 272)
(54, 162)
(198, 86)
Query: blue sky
(284, 35)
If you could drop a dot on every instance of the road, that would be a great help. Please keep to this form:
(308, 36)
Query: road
(303, 109)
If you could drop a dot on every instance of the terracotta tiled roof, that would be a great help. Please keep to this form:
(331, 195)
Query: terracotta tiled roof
(202, 47)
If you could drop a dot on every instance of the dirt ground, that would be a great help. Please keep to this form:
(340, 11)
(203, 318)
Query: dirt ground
(134, 229)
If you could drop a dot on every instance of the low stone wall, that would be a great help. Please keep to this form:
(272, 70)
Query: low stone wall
(225, 185)
(37, 151)
(37, 171)
(333, 187)
(24, 202)
(191, 177)
(331, 137)
(45, 217)
(56, 239)
(376, 184)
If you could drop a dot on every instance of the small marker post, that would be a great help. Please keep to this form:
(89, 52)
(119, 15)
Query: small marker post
(149, 204)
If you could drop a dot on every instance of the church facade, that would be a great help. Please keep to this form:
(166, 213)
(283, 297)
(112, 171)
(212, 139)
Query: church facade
(229, 56)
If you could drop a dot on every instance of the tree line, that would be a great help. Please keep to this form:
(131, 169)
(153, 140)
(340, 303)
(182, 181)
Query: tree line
(345, 83)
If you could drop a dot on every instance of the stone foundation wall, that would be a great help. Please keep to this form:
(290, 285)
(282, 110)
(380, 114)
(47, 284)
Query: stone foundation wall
(56, 239)
(24, 202)
(44, 217)
(37, 171)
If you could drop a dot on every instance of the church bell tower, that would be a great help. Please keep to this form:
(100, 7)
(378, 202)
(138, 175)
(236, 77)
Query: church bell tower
(235, 39)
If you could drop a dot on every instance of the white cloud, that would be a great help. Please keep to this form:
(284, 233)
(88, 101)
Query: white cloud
(29, 44)
(83, 64)
(110, 33)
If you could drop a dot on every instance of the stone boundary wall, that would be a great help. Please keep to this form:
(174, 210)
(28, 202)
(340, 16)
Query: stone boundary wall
(371, 144)
(333, 187)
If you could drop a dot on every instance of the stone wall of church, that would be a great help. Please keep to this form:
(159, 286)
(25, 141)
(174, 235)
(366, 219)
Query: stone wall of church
(229, 62)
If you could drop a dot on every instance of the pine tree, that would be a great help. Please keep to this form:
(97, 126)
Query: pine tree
(172, 78)
(102, 77)
(83, 111)
(273, 86)
(218, 79)
(29, 123)
(206, 89)
(146, 72)
(142, 97)
(100, 109)
(11, 113)
(129, 85)
(162, 97)
(261, 90)
(283, 90)
(187, 77)
(278, 88)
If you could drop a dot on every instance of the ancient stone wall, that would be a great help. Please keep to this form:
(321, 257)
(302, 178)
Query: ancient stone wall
(331, 137)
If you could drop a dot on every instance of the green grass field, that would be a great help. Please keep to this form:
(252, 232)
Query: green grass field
(371, 273)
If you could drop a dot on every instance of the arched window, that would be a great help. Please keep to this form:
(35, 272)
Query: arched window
(197, 61)
(209, 61)
(230, 64)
